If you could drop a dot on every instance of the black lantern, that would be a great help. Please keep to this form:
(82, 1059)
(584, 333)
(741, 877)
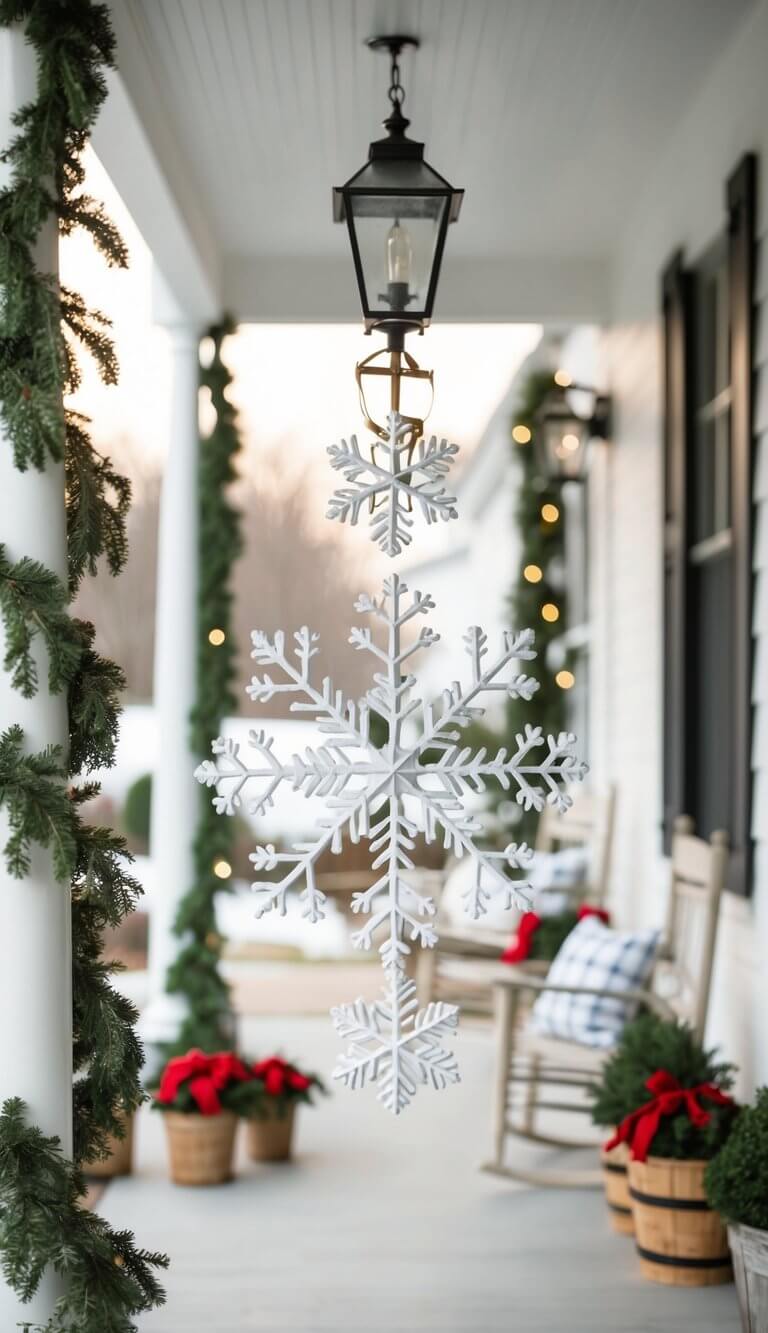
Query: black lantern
(563, 433)
(397, 209)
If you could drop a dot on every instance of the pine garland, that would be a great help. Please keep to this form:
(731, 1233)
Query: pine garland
(195, 973)
(107, 1279)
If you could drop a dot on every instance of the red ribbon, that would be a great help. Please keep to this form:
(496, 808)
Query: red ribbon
(522, 942)
(205, 1075)
(640, 1127)
(278, 1076)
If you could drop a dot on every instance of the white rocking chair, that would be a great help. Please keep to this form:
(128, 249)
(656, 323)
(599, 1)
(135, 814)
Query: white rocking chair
(679, 988)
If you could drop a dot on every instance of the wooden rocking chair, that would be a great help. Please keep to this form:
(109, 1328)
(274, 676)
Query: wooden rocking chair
(588, 823)
(679, 988)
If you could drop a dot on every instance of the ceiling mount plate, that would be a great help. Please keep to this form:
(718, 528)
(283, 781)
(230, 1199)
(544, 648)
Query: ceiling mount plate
(394, 43)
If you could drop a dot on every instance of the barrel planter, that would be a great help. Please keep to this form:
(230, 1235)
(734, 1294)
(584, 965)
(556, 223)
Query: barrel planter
(120, 1159)
(749, 1248)
(681, 1241)
(615, 1164)
(200, 1147)
(270, 1138)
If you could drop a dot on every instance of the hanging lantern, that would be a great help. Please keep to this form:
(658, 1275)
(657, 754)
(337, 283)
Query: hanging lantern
(397, 209)
(563, 434)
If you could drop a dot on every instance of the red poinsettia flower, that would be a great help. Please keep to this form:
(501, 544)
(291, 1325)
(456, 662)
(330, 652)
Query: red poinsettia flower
(204, 1075)
(278, 1076)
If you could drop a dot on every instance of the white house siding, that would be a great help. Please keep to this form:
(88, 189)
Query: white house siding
(680, 204)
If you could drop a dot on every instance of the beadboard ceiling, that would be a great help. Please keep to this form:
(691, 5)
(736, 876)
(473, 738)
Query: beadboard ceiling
(548, 112)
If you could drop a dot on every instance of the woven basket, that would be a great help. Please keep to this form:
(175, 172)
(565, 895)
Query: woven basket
(615, 1166)
(120, 1160)
(200, 1147)
(271, 1139)
(681, 1241)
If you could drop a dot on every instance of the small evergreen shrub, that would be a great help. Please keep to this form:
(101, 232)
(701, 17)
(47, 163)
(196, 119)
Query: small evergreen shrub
(737, 1178)
(650, 1043)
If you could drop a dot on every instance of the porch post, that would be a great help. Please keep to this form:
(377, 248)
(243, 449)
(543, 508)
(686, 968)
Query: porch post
(35, 934)
(175, 794)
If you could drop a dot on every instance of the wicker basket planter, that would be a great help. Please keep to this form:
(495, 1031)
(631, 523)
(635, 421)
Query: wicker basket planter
(120, 1160)
(270, 1138)
(615, 1164)
(749, 1248)
(681, 1241)
(200, 1147)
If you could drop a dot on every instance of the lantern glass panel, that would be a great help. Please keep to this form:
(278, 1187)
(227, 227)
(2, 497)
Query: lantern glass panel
(397, 238)
(565, 446)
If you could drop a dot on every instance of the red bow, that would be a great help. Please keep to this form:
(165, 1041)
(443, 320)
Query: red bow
(522, 942)
(278, 1075)
(640, 1127)
(206, 1076)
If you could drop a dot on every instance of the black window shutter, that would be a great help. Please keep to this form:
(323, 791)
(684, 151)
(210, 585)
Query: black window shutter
(741, 205)
(677, 354)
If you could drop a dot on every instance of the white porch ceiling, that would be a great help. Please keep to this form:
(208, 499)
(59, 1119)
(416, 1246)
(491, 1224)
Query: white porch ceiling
(548, 112)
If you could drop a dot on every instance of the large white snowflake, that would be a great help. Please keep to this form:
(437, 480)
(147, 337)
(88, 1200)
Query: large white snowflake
(409, 476)
(418, 780)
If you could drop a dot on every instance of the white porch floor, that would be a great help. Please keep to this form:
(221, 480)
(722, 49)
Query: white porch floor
(386, 1226)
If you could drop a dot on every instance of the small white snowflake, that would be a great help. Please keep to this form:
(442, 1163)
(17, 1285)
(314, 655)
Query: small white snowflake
(417, 781)
(410, 477)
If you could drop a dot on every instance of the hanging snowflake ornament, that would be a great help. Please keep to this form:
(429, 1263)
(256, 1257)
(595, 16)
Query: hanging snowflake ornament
(419, 780)
(409, 478)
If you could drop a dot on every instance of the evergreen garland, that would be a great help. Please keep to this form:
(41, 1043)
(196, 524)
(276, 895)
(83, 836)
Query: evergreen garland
(195, 972)
(107, 1279)
(542, 544)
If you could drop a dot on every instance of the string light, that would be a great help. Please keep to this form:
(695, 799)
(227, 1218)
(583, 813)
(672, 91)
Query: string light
(565, 679)
(216, 637)
(550, 612)
(521, 434)
(222, 869)
(532, 574)
(563, 379)
(550, 513)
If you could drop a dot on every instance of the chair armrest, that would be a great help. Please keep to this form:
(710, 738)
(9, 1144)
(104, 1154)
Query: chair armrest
(524, 981)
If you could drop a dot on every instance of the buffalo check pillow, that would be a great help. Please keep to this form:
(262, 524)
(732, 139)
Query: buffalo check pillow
(601, 959)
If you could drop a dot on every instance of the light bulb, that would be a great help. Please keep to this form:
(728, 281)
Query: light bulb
(216, 637)
(550, 513)
(222, 869)
(550, 612)
(533, 574)
(565, 679)
(399, 254)
(521, 434)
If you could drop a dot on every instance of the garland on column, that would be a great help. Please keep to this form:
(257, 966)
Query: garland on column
(195, 973)
(543, 547)
(107, 1279)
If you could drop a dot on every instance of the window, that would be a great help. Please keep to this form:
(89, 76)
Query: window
(707, 309)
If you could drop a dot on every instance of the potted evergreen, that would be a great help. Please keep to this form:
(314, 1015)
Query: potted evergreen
(736, 1182)
(679, 1122)
(201, 1097)
(647, 1044)
(276, 1089)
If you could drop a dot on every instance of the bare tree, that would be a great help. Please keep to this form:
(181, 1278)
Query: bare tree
(294, 571)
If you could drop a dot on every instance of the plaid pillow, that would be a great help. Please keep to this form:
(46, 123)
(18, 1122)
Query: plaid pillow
(594, 956)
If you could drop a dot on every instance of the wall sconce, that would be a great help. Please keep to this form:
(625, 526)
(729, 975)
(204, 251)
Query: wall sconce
(562, 433)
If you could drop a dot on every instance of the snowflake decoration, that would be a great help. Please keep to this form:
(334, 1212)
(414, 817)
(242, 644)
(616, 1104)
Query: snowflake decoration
(417, 781)
(410, 477)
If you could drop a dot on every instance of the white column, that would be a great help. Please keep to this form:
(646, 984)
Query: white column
(35, 939)
(175, 793)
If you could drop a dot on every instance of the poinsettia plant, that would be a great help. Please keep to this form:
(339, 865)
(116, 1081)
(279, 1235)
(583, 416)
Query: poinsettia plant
(276, 1085)
(200, 1083)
